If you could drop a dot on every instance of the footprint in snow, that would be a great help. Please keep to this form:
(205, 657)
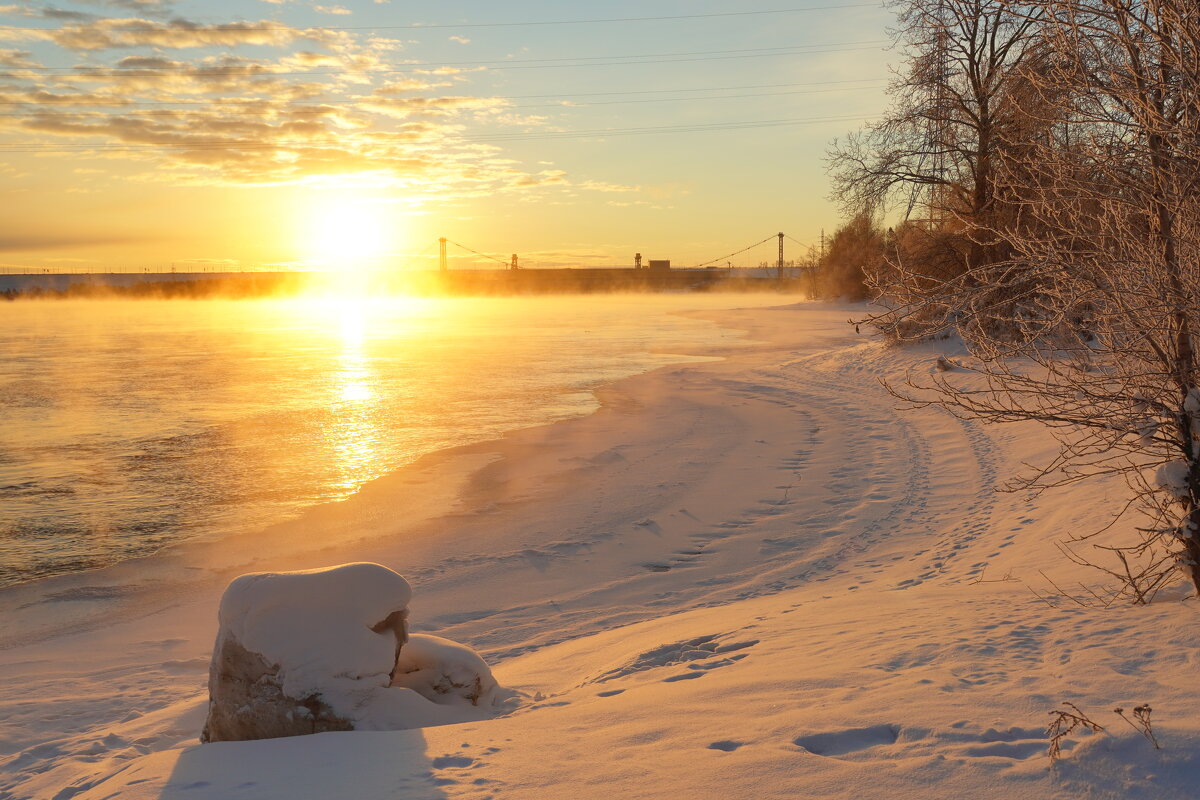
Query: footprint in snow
(844, 742)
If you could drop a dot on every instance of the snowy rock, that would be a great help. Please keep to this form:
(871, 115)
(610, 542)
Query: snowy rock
(308, 652)
(446, 672)
(328, 650)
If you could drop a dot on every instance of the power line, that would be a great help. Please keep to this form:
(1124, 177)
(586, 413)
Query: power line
(505, 97)
(694, 127)
(591, 104)
(259, 70)
(39, 147)
(251, 28)
(705, 89)
(321, 107)
(479, 63)
(117, 102)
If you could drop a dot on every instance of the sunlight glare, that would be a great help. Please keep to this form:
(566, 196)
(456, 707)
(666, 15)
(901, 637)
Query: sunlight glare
(349, 234)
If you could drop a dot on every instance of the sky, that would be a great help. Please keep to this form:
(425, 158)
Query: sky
(296, 134)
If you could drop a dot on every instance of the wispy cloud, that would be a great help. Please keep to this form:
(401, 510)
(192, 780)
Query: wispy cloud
(601, 186)
(12, 242)
(113, 33)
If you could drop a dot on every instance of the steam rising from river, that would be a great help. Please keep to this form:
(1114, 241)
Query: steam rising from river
(134, 425)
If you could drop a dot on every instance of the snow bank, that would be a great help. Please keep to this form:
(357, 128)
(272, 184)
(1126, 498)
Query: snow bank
(315, 651)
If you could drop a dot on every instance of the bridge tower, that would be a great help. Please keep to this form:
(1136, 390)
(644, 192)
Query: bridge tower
(779, 263)
(442, 254)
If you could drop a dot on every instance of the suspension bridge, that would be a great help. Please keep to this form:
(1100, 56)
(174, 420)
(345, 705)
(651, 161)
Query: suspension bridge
(783, 268)
(463, 270)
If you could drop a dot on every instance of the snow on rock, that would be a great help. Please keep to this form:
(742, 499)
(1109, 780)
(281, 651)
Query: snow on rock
(315, 651)
(446, 672)
(304, 652)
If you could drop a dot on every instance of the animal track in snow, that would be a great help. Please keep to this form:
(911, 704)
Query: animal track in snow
(701, 654)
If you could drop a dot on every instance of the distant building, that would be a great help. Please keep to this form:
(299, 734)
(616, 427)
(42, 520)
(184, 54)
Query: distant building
(659, 265)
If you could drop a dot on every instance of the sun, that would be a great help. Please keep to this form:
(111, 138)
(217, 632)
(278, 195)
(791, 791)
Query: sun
(349, 233)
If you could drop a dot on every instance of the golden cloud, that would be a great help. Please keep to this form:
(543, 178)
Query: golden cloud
(333, 111)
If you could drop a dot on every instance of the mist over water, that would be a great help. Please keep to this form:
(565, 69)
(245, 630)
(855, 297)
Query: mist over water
(132, 425)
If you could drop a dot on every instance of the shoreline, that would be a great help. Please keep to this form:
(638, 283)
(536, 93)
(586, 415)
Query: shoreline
(92, 583)
(183, 583)
(862, 589)
(95, 593)
(493, 505)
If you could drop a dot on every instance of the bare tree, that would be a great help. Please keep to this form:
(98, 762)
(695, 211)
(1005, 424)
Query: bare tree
(955, 109)
(937, 144)
(1101, 300)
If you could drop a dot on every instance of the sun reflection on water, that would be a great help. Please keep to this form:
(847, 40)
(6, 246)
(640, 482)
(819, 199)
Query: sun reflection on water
(354, 434)
(134, 425)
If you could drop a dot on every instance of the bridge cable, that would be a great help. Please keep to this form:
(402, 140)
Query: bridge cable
(739, 252)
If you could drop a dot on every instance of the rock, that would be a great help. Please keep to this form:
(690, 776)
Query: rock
(307, 652)
(246, 701)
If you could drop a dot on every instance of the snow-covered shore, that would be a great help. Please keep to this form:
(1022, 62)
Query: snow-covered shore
(746, 577)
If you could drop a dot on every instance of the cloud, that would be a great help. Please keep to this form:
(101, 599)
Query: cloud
(408, 85)
(308, 107)
(9, 10)
(15, 58)
(113, 33)
(151, 7)
(136, 5)
(601, 186)
(11, 242)
(408, 106)
(460, 39)
(547, 177)
(339, 10)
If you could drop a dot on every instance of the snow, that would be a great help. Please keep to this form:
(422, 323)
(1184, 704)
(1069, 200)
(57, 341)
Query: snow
(1173, 477)
(319, 626)
(746, 577)
(339, 635)
(446, 672)
(1191, 403)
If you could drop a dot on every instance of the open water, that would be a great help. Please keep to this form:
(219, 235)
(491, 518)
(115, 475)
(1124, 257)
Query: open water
(126, 426)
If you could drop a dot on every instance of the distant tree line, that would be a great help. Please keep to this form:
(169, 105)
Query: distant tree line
(1045, 158)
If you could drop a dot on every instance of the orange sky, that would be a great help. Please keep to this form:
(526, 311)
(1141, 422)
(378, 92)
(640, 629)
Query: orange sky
(258, 134)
